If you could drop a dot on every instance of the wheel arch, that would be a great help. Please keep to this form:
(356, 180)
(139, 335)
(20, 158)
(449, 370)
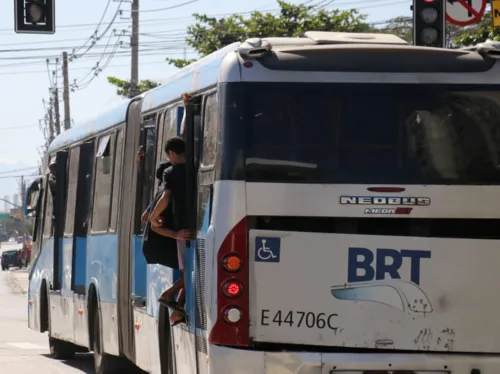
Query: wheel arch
(165, 341)
(93, 304)
(44, 306)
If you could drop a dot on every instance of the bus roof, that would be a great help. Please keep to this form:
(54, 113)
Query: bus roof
(201, 74)
(109, 118)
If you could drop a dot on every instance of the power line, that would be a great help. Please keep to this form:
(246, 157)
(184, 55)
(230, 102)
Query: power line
(94, 38)
(18, 170)
(62, 48)
(163, 62)
(168, 8)
(156, 51)
(16, 127)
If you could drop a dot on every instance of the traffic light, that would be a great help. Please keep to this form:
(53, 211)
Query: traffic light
(429, 23)
(34, 16)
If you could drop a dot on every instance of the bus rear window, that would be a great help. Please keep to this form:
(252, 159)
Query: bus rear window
(372, 133)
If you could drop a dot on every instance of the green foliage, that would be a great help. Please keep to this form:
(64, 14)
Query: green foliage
(400, 26)
(179, 62)
(477, 33)
(209, 34)
(123, 86)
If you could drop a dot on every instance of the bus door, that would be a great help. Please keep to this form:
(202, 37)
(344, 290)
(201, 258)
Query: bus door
(146, 178)
(82, 216)
(59, 210)
(125, 234)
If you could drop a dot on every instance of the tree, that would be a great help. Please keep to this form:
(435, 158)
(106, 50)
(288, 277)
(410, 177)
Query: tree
(477, 33)
(209, 34)
(124, 86)
(400, 26)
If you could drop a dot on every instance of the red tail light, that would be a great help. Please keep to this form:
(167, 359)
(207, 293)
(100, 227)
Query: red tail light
(231, 327)
(232, 288)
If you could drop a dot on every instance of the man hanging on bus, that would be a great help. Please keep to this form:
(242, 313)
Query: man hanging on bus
(174, 184)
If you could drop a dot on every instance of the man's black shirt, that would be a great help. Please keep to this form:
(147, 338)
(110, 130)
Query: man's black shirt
(174, 180)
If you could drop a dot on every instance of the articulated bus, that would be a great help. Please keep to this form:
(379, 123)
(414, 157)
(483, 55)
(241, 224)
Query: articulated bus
(345, 194)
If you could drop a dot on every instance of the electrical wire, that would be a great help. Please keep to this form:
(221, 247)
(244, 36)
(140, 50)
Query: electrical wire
(167, 8)
(162, 62)
(17, 170)
(26, 176)
(94, 37)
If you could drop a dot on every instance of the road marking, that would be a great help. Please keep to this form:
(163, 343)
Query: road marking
(24, 345)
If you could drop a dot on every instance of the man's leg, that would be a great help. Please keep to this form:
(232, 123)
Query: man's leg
(177, 316)
(168, 295)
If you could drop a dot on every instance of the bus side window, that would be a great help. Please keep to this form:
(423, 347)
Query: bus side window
(149, 167)
(49, 207)
(117, 176)
(103, 180)
(159, 140)
(147, 173)
(210, 131)
(74, 160)
(170, 125)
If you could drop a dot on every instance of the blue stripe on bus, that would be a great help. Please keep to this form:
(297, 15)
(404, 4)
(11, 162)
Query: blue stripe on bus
(102, 264)
(80, 261)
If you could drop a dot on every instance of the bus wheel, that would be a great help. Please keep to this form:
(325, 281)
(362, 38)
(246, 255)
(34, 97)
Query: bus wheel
(104, 363)
(167, 359)
(61, 350)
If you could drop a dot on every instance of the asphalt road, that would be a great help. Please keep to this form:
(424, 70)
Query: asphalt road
(23, 351)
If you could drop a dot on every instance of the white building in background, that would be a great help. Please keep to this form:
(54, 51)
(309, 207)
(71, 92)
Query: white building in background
(6, 207)
(16, 199)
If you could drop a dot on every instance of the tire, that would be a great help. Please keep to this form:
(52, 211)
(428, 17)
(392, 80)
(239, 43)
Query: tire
(3, 268)
(167, 359)
(104, 363)
(61, 350)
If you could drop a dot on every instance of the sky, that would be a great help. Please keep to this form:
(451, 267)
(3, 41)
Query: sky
(28, 62)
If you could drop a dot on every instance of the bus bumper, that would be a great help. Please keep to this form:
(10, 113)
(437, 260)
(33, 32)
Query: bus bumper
(223, 360)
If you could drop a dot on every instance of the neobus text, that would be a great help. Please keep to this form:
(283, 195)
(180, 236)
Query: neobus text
(385, 200)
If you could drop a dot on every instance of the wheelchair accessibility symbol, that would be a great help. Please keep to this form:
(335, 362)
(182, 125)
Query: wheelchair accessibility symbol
(267, 249)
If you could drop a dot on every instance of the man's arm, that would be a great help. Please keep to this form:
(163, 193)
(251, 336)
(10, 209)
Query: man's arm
(161, 205)
(183, 123)
(182, 234)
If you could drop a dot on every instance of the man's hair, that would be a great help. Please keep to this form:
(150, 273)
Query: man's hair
(176, 145)
(161, 168)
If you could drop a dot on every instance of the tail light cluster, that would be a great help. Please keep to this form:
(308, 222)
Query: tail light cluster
(231, 327)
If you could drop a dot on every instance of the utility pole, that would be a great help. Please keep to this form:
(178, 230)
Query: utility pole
(23, 190)
(56, 111)
(67, 117)
(51, 124)
(134, 42)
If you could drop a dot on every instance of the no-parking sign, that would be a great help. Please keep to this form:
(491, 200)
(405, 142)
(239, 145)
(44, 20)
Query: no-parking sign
(465, 12)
